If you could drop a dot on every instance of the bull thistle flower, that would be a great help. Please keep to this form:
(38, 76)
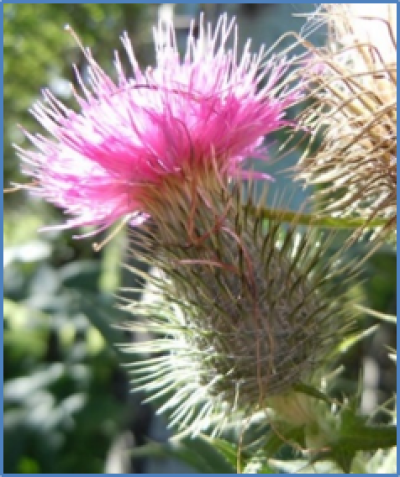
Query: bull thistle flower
(245, 308)
(353, 82)
(135, 140)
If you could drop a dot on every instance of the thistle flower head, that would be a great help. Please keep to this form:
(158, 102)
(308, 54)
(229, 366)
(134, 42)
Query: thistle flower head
(354, 111)
(132, 138)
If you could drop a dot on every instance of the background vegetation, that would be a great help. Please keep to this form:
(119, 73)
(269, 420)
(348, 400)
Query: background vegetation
(66, 397)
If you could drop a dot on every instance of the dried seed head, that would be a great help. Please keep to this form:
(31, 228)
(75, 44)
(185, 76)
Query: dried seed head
(353, 81)
(245, 310)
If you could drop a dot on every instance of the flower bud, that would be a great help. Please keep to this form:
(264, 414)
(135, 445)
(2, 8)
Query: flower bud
(246, 309)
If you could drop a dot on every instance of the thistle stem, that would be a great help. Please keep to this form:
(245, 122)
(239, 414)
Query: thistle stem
(313, 219)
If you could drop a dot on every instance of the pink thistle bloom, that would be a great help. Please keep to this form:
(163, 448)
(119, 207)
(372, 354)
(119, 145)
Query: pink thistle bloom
(168, 122)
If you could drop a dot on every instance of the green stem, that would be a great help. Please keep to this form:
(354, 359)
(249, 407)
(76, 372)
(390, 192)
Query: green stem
(314, 220)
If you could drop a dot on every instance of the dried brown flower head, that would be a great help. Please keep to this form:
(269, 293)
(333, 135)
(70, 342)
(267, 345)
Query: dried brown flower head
(353, 82)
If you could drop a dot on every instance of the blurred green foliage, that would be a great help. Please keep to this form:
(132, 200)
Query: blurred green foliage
(62, 405)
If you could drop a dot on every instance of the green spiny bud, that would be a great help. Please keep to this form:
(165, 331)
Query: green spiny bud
(244, 309)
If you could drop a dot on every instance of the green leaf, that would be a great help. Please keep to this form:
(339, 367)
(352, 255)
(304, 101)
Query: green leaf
(343, 456)
(369, 438)
(356, 435)
(217, 461)
(227, 449)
